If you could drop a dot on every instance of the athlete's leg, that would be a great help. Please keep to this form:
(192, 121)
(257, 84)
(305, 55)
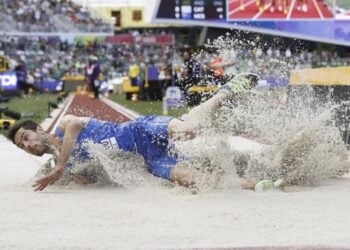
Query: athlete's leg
(183, 175)
(201, 115)
(187, 176)
(196, 118)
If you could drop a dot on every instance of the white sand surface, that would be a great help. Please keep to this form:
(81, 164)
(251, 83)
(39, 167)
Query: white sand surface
(75, 217)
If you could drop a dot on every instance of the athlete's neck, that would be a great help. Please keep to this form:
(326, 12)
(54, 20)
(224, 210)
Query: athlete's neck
(55, 145)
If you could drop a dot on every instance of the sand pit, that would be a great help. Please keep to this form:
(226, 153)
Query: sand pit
(156, 217)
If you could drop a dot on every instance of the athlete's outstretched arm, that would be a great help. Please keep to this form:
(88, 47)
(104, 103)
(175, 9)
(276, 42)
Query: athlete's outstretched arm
(70, 126)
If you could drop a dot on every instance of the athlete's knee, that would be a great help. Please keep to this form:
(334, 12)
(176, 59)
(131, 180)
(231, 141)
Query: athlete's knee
(178, 129)
(182, 176)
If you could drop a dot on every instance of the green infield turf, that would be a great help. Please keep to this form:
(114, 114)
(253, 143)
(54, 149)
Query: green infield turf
(344, 4)
(33, 107)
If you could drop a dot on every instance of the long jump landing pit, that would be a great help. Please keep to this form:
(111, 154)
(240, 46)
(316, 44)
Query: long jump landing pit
(157, 217)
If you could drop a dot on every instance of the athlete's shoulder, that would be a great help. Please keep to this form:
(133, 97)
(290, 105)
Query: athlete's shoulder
(72, 119)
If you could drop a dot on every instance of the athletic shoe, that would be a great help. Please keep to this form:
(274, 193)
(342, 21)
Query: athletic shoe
(267, 185)
(237, 85)
(242, 83)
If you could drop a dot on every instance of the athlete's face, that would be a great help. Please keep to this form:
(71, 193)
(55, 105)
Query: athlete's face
(33, 142)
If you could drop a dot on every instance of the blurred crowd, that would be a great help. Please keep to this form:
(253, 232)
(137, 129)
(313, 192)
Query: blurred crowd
(269, 62)
(40, 59)
(49, 59)
(48, 16)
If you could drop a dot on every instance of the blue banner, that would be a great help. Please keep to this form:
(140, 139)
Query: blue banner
(320, 22)
(332, 31)
(8, 80)
(273, 82)
(47, 85)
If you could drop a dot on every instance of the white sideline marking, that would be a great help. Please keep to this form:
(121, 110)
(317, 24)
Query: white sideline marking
(127, 112)
(265, 8)
(318, 9)
(71, 97)
(291, 9)
(238, 9)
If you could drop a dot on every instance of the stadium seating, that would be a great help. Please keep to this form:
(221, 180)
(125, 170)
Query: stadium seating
(48, 16)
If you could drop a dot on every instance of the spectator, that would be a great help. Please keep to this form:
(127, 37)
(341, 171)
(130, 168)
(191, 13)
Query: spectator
(155, 90)
(134, 71)
(21, 74)
(92, 74)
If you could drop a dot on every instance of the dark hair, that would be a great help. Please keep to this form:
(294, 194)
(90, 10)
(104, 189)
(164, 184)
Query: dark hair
(30, 125)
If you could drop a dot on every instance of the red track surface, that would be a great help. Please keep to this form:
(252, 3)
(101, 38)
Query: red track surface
(316, 10)
(86, 106)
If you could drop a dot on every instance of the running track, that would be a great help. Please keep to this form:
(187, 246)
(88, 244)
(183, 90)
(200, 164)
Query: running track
(316, 10)
(81, 105)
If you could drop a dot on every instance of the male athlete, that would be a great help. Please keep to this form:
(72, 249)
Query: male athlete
(147, 136)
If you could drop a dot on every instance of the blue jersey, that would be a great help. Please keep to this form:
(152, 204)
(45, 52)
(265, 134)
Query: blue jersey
(146, 136)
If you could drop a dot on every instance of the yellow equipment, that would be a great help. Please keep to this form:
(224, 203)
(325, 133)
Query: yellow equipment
(6, 123)
(337, 76)
(128, 89)
(4, 64)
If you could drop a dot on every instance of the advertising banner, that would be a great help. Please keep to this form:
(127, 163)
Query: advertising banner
(315, 20)
(49, 86)
(128, 39)
(8, 81)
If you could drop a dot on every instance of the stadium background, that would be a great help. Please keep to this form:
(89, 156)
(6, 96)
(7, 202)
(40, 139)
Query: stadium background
(141, 49)
(49, 51)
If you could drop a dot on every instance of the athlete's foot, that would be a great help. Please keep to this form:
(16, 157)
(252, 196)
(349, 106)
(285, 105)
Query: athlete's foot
(241, 83)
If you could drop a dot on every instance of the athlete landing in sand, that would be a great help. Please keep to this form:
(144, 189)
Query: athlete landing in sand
(147, 136)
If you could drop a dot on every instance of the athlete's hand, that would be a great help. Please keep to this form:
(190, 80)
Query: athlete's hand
(50, 179)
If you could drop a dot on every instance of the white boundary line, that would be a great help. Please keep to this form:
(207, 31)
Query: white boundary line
(127, 112)
(67, 105)
(262, 12)
(245, 5)
(291, 9)
(318, 9)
